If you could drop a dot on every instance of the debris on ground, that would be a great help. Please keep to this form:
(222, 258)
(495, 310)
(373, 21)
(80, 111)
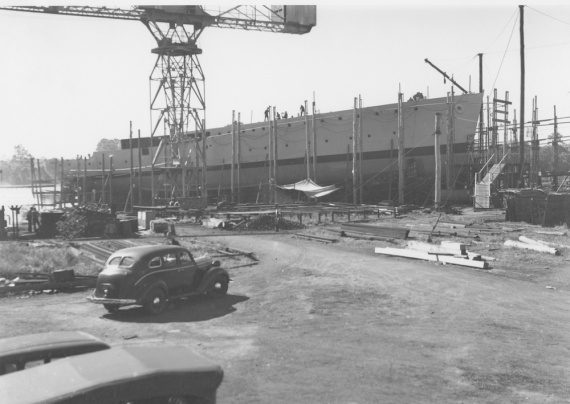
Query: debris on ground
(267, 222)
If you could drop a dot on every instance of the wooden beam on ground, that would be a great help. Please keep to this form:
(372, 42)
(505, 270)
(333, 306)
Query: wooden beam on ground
(534, 247)
(437, 249)
(400, 252)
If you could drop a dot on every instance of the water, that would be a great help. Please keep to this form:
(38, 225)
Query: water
(16, 196)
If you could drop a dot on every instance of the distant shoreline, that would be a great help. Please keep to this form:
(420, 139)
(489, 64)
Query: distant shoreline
(15, 186)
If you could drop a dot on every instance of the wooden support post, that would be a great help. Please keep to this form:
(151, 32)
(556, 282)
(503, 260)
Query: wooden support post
(55, 184)
(151, 154)
(111, 205)
(360, 185)
(449, 141)
(139, 199)
(61, 198)
(232, 175)
(275, 159)
(40, 183)
(555, 152)
(34, 182)
(308, 143)
(437, 153)
(131, 183)
(204, 194)
(354, 152)
(391, 169)
(103, 182)
(239, 158)
(84, 180)
(314, 128)
(77, 180)
(521, 134)
(270, 174)
(401, 174)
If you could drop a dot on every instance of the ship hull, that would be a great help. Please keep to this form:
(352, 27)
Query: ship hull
(333, 133)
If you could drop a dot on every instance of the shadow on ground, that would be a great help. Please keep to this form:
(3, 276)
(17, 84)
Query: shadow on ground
(188, 310)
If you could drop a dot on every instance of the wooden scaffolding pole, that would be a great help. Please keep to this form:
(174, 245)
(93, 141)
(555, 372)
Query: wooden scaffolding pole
(437, 154)
(232, 173)
(55, 183)
(61, 198)
(354, 151)
(360, 143)
(314, 127)
(401, 177)
(239, 158)
(307, 142)
(275, 159)
(111, 204)
(139, 200)
(40, 183)
(521, 134)
(555, 151)
(270, 173)
(103, 180)
(84, 180)
(131, 179)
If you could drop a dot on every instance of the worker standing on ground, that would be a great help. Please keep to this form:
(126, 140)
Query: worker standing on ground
(170, 240)
(29, 218)
(35, 219)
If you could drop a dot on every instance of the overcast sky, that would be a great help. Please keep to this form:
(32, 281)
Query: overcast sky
(67, 82)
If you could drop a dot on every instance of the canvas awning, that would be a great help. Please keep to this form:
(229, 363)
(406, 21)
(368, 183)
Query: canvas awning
(310, 189)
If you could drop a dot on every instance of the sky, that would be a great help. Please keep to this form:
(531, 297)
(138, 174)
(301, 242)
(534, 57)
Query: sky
(67, 82)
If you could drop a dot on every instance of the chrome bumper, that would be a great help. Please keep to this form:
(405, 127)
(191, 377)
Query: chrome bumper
(104, 300)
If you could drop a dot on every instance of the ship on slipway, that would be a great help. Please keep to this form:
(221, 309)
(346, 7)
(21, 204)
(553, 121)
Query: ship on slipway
(146, 164)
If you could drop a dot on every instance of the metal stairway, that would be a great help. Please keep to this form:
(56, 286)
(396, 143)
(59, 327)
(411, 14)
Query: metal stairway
(482, 191)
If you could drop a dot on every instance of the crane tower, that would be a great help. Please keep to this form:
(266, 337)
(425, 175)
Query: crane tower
(177, 79)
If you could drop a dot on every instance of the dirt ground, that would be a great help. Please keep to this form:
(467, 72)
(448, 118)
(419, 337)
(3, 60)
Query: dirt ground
(335, 323)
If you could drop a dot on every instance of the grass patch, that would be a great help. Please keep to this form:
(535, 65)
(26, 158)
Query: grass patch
(21, 258)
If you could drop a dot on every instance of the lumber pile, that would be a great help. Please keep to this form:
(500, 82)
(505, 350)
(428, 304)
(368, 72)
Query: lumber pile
(446, 252)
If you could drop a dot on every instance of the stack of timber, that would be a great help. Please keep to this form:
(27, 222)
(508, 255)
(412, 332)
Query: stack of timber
(373, 232)
(446, 252)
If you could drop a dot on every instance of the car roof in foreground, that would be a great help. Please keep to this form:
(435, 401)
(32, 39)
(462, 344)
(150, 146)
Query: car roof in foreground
(112, 375)
(141, 251)
(55, 344)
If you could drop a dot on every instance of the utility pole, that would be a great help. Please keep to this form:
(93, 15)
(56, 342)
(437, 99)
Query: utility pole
(521, 134)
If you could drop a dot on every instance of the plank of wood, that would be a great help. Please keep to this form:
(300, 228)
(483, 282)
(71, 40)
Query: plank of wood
(552, 233)
(399, 252)
(434, 248)
(534, 247)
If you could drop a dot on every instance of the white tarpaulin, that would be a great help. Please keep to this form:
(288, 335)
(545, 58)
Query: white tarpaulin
(310, 189)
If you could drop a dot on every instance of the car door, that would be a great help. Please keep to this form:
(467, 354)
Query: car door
(187, 270)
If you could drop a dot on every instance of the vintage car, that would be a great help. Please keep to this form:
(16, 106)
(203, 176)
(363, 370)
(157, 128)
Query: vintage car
(24, 351)
(121, 375)
(152, 275)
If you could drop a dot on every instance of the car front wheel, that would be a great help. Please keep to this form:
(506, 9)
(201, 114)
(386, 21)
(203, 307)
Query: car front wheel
(111, 308)
(219, 287)
(156, 302)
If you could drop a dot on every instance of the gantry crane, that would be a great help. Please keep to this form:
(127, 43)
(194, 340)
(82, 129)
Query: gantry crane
(177, 77)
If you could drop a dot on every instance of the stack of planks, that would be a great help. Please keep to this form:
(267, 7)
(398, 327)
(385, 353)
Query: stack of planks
(446, 252)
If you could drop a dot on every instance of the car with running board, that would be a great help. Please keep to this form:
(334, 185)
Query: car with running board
(152, 275)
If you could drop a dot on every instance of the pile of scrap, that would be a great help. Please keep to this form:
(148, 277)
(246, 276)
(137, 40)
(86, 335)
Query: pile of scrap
(446, 252)
(60, 280)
